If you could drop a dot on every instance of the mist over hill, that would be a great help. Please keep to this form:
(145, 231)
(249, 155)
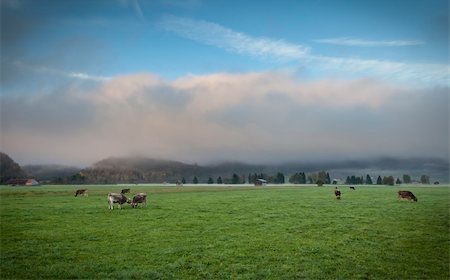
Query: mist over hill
(48, 172)
(149, 170)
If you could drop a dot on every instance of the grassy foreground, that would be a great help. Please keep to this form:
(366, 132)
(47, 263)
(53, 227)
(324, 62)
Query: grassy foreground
(225, 233)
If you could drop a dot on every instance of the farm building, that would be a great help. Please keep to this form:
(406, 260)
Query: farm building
(23, 182)
(260, 182)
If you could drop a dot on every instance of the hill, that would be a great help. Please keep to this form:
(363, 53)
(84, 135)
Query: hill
(9, 169)
(48, 172)
(148, 170)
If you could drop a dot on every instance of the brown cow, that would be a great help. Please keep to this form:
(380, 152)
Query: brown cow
(81, 192)
(337, 193)
(124, 191)
(117, 198)
(407, 195)
(139, 198)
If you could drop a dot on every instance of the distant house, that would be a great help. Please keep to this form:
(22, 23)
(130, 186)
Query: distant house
(260, 182)
(23, 182)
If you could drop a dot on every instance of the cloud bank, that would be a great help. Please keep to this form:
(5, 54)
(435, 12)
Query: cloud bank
(252, 117)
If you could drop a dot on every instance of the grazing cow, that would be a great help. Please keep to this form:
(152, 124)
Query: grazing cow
(352, 188)
(337, 193)
(407, 195)
(118, 198)
(139, 198)
(81, 192)
(124, 191)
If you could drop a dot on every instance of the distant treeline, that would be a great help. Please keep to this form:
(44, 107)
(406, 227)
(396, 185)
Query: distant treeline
(319, 178)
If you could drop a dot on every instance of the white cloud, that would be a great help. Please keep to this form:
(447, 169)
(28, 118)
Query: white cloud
(416, 74)
(348, 41)
(230, 40)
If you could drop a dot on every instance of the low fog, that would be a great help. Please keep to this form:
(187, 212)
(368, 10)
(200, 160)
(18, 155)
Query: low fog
(266, 117)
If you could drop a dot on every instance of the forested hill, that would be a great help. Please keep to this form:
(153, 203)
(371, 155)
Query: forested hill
(147, 170)
(9, 169)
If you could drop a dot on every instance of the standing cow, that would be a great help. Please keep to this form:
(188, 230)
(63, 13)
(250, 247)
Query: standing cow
(81, 192)
(407, 195)
(337, 193)
(116, 198)
(139, 198)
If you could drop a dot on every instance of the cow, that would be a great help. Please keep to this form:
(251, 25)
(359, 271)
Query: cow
(337, 193)
(139, 198)
(407, 195)
(124, 191)
(118, 198)
(352, 188)
(81, 192)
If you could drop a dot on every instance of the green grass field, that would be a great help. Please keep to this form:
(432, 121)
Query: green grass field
(225, 233)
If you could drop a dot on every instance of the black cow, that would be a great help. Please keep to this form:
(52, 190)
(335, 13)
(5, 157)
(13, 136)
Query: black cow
(407, 195)
(81, 192)
(337, 193)
(124, 191)
(139, 198)
(352, 188)
(118, 198)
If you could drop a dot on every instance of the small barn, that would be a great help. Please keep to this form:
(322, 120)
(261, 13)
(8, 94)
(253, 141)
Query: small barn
(23, 182)
(260, 182)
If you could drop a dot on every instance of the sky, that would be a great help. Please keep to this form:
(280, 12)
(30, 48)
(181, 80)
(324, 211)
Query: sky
(210, 81)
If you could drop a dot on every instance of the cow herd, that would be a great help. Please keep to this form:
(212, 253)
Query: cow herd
(141, 198)
(120, 198)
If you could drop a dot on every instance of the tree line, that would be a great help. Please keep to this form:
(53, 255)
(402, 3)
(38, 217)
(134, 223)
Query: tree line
(319, 178)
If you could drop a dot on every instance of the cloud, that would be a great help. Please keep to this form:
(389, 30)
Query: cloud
(52, 71)
(216, 35)
(419, 74)
(348, 41)
(251, 117)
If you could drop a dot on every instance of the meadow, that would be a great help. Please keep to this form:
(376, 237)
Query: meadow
(204, 232)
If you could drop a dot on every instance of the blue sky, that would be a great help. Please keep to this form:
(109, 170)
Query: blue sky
(74, 51)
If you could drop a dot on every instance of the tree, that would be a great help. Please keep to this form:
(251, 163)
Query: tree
(406, 179)
(235, 179)
(195, 180)
(379, 181)
(425, 179)
(398, 182)
(388, 180)
(347, 181)
(279, 178)
(302, 178)
(210, 180)
(219, 180)
(319, 183)
(322, 176)
(183, 181)
(328, 181)
(312, 178)
(368, 180)
(294, 178)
